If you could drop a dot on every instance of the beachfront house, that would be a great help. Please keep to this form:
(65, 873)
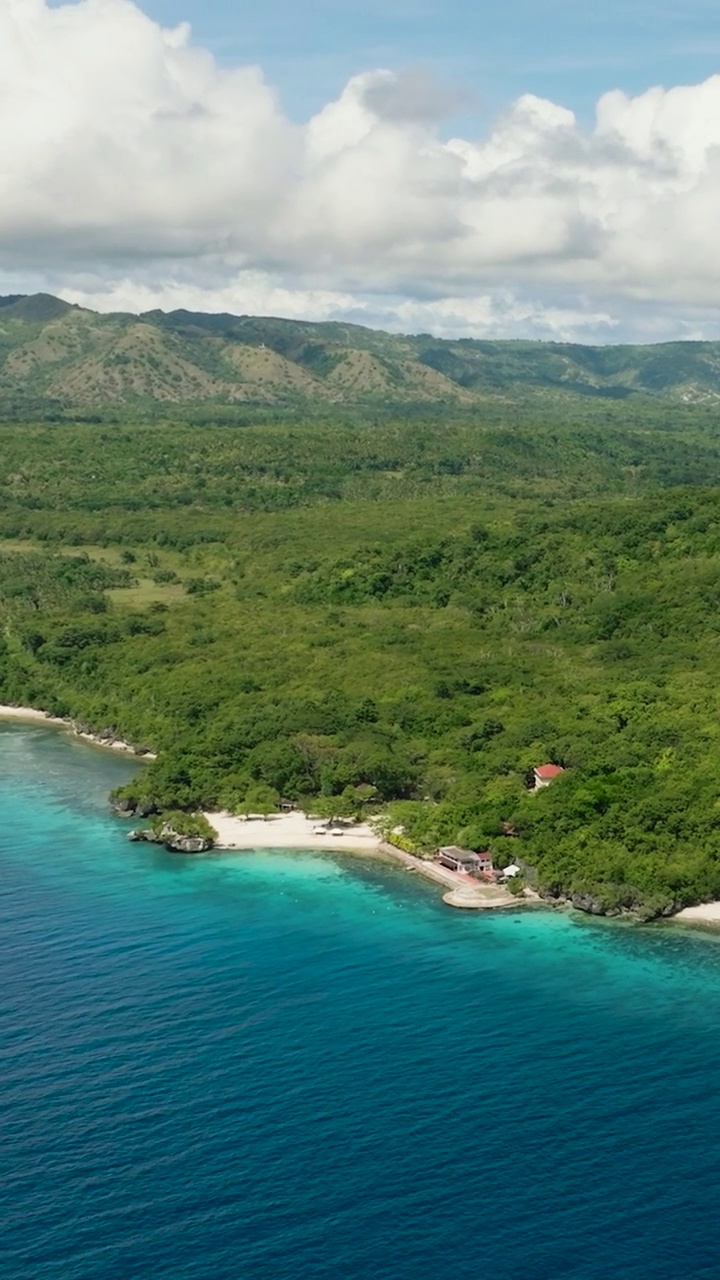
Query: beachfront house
(457, 859)
(544, 774)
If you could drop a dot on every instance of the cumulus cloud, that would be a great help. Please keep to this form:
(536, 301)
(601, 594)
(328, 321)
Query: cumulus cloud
(412, 96)
(136, 172)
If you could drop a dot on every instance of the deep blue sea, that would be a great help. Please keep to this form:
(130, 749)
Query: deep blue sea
(277, 1066)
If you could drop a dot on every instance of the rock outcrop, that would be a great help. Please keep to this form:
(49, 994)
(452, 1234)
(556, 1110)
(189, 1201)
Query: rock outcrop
(125, 808)
(171, 839)
(592, 906)
(188, 844)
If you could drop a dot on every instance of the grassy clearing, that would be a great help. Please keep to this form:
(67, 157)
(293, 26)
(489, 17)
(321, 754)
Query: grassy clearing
(145, 593)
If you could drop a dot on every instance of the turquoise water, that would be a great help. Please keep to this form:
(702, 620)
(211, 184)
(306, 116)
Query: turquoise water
(276, 1066)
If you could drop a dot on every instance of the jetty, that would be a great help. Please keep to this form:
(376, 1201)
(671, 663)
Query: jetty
(463, 890)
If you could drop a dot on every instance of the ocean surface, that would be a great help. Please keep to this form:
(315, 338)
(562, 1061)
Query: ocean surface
(277, 1065)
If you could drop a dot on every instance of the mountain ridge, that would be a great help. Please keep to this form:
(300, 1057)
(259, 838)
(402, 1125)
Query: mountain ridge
(55, 355)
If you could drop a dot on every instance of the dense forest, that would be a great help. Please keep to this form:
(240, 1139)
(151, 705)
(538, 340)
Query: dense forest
(402, 615)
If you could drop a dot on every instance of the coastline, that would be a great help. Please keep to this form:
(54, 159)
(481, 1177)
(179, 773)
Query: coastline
(31, 715)
(295, 830)
(288, 831)
(705, 913)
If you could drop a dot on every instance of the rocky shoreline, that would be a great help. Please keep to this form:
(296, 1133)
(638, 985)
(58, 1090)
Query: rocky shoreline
(108, 738)
(594, 904)
(172, 840)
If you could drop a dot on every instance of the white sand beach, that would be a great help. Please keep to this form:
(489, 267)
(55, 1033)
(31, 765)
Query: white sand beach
(32, 715)
(29, 713)
(289, 831)
(704, 913)
(297, 831)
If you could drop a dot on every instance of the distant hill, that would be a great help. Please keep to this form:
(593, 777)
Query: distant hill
(59, 358)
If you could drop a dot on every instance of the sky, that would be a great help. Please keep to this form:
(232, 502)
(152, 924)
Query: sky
(546, 169)
(569, 50)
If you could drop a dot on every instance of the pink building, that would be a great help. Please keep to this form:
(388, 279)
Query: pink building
(456, 859)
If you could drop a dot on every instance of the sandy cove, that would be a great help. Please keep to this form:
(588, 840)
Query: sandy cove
(32, 715)
(288, 831)
(297, 831)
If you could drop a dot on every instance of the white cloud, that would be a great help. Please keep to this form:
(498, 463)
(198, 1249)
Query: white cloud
(135, 172)
(248, 293)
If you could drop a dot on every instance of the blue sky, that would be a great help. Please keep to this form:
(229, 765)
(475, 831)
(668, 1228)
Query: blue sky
(568, 50)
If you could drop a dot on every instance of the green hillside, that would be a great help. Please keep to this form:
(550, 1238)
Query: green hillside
(378, 573)
(60, 360)
(397, 614)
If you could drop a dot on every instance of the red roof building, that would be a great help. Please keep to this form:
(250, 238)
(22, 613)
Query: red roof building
(545, 773)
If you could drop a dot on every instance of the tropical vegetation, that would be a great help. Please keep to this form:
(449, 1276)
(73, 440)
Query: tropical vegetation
(405, 613)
